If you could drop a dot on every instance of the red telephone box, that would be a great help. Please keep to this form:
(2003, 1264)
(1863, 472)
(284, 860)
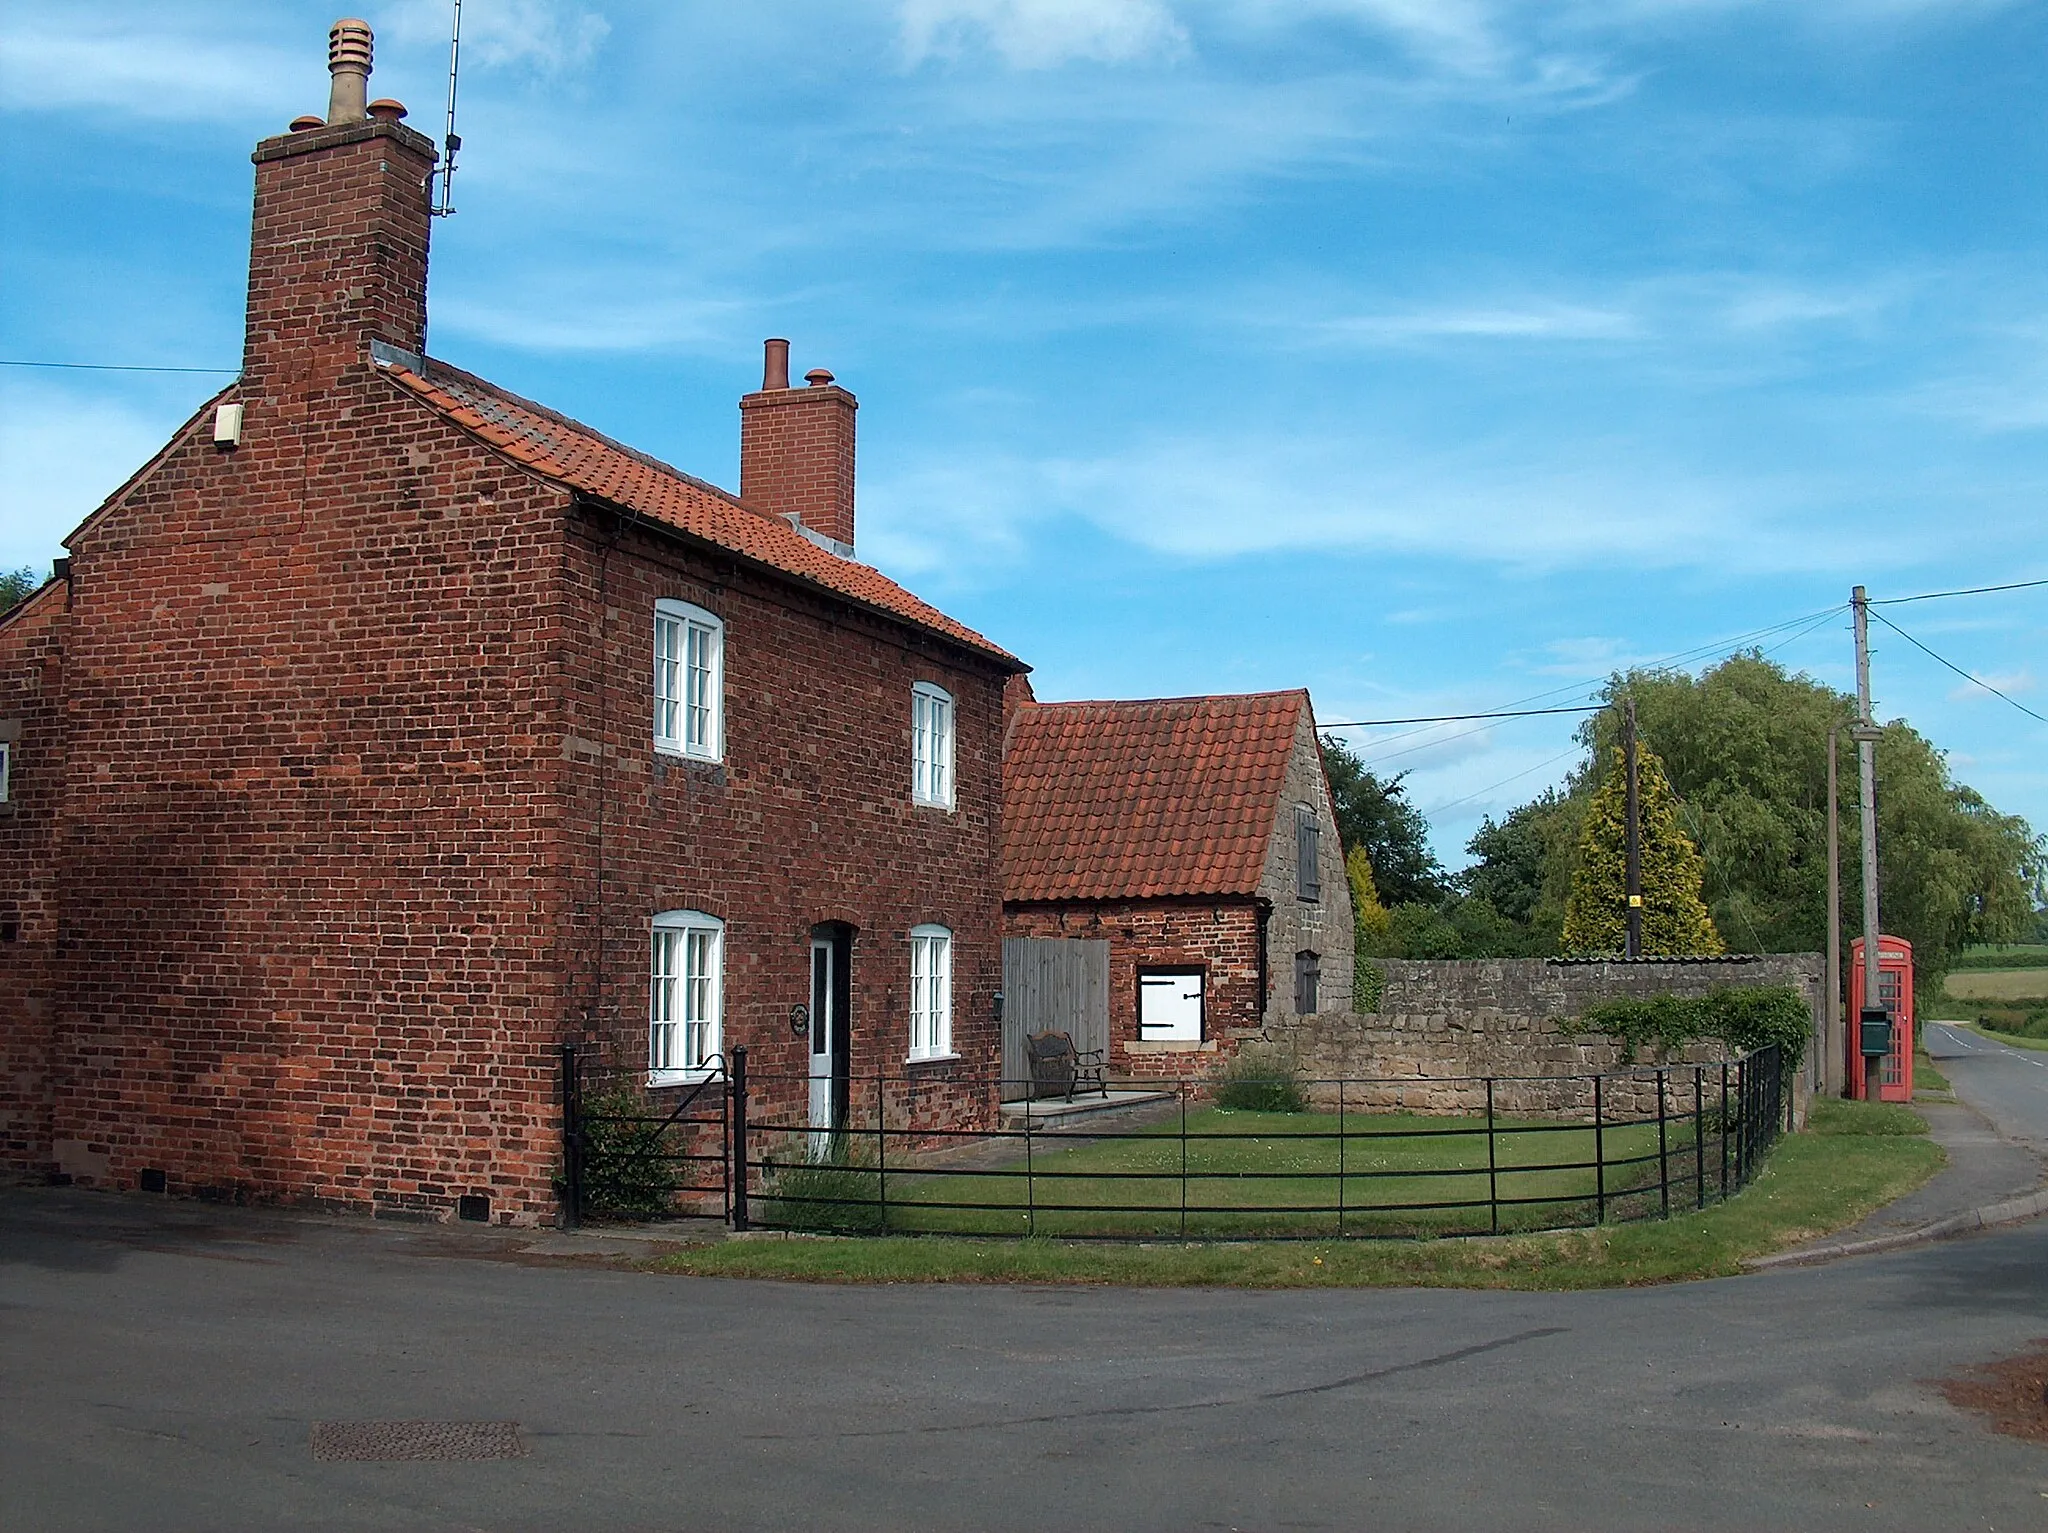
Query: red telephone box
(1895, 994)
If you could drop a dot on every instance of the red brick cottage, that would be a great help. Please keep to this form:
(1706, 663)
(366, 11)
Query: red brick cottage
(1197, 836)
(386, 730)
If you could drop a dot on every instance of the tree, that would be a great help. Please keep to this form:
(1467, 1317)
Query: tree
(1376, 815)
(1675, 919)
(1368, 915)
(1744, 746)
(16, 586)
(1524, 866)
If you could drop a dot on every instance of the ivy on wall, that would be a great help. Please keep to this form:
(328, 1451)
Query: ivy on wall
(1744, 1018)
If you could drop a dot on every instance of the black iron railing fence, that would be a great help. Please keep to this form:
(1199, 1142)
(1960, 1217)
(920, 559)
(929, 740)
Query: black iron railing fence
(1388, 1157)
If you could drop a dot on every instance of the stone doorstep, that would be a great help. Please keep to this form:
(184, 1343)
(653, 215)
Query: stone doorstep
(1049, 1113)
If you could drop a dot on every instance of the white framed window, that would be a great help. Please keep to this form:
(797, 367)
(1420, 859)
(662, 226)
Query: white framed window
(689, 681)
(686, 995)
(931, 992)
(1170, 1005)
(931, 745)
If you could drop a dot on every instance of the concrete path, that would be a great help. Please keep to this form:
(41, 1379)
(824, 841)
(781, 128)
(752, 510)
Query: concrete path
(1996, 1137)
(166, 1367)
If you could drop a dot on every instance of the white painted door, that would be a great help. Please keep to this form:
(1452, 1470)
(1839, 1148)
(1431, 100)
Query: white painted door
(824, 1037)
(1170, 1006)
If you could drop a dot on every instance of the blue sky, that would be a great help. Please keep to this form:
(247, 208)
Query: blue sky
(1432, 354)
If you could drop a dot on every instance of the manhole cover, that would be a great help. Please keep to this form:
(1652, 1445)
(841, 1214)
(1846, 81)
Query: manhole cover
(372, 1441)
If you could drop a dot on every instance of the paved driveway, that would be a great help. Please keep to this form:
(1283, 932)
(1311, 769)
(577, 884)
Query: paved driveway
(161, 1366)
(2008, 1085)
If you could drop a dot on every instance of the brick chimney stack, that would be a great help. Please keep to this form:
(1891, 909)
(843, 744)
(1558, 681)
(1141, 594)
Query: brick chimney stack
(338, 247)
(796, 448)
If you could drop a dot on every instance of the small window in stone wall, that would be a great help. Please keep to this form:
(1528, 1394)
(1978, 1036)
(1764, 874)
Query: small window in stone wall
(1308, 853)
(1308, 983)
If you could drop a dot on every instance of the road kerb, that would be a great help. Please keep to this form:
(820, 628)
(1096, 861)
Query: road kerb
(2030, 1205)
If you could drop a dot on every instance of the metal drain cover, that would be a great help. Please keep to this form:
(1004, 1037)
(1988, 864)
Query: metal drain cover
(381, 1441)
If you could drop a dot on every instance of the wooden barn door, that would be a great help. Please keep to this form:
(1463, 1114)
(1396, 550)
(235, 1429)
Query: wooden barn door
(1058, 985)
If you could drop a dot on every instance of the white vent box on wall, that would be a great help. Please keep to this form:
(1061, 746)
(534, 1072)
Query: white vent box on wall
(227, 426)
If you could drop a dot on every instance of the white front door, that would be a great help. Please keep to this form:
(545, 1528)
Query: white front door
(824, 1039)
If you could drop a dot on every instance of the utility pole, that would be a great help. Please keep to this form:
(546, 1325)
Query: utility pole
(1833, 1043)
(1635, 834)
(1874, 1025)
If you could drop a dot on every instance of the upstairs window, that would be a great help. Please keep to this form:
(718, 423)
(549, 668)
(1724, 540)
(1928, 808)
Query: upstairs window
(931, 745)
(6, 771)
(931, 992)
(686, 1000)
(1308, 984)
(1308, 853)
(689, 681)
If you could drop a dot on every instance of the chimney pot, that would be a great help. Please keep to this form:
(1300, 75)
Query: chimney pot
(818, 377)
(775, 366)
(386, 110)
(350, 48)
(307, 123)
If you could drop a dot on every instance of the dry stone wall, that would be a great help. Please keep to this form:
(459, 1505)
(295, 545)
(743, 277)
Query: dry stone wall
(1445, 1026)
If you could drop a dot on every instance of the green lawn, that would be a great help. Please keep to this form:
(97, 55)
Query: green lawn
(1240, 1174)
(1854, 1158)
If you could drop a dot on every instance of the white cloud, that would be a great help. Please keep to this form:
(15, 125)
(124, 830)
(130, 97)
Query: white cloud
(549, 36)
(69, 60)
(1544, 322)
(1038, 34)
(2008, 682)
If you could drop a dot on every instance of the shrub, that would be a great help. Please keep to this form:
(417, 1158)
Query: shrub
(1262, 1078)
(835, 1189)
(628, 1167)
(1743, 1017)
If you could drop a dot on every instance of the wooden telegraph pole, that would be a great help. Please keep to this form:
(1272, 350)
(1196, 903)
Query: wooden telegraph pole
(1833, 1042)
(1874, 1024)
(1635, 834)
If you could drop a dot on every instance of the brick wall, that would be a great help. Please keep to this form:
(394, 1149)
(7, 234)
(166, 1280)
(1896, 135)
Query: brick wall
(1221, 935)
(306, 918)
(1444, 1025)
(31, 688)
(807, 821)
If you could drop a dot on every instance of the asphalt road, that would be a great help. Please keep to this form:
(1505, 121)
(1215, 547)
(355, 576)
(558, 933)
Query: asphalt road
(2008, 1085)
(162, 1366)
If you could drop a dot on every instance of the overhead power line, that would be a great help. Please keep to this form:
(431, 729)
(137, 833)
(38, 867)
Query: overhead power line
(2017, 585)
(1973, 680)
(1805, 623)
(118, 367)
(1457, 718)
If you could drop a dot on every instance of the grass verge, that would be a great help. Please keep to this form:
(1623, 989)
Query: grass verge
(1926, 1077)
(1855, 1157)
(2017, 1040)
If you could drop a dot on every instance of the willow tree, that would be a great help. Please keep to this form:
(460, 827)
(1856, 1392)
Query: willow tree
(1675, 918)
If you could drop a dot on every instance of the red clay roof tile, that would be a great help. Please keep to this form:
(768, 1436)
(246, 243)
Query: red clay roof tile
(579, 458)
(1135, 800)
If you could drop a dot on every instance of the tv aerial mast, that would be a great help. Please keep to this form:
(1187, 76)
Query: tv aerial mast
(444, 204)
